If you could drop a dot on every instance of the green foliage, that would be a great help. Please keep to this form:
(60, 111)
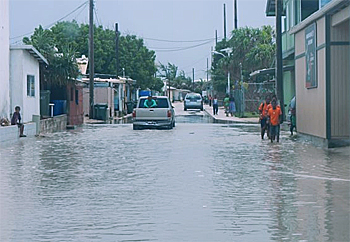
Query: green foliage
(254, 48)
(182, 82)
(62, 65)
(138, 62)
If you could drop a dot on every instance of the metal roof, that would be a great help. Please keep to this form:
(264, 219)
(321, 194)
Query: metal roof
(270, 71)
(34, 52)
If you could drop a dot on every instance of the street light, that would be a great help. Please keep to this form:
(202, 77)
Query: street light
(228, 52)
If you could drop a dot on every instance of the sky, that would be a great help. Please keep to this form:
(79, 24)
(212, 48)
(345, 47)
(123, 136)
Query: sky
(181, 32)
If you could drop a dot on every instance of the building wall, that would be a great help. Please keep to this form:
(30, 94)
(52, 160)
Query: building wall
(101, 95)
(340, 81)
(311, 103)
(76, 113)
(22, 63)
(4, 59)
(16, 80)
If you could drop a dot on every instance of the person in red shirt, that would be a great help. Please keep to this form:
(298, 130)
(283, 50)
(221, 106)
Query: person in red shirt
(274, 118)
(263, 108)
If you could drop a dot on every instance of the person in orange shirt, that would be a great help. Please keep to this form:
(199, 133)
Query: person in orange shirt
(274, 97)
(263, 117)
(275, 115)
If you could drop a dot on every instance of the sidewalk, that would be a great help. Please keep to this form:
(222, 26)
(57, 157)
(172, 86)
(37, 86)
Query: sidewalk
(221, 116)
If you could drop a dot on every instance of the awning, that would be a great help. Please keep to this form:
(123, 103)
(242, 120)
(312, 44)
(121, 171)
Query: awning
(270, 71)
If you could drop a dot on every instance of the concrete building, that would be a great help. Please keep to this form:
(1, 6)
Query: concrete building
(117, 93)
(322, 61)
(25, 62)
(4, 59)
(317, 54)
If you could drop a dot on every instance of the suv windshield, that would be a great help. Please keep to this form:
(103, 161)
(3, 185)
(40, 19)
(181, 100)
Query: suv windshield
(193, 96)
(161, 103)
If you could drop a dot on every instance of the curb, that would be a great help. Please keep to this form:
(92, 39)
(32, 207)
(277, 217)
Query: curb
(229, 121)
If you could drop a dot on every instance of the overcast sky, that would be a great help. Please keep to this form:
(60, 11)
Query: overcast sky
(176, 20)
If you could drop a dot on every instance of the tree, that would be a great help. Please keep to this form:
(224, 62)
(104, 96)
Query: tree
(254, 48)
(62, 63)
(136, 59)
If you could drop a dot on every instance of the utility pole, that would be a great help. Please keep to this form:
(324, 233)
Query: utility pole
(117, 48)
(193, 79)
(236, 17)
(91, 58)
(279, 59)
(216, 37)
(224, 21)
(207, 69)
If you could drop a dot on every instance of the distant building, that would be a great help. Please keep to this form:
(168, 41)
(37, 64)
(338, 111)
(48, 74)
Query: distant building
(4, 59)
(25, 62)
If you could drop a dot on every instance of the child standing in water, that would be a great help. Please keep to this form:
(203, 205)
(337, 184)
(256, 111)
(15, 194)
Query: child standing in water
(274, 117)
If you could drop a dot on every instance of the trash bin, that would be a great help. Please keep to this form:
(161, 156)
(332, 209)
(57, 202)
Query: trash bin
(44, 103)
(101, 111)
(60, 107)
(130, 107)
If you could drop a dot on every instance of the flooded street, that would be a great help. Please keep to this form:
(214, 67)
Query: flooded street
(197, 182)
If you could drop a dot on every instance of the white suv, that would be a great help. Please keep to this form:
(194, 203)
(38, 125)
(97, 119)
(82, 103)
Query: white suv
(193, 101)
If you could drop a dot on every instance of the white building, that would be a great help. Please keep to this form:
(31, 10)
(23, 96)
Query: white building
(25, 62)
(4, 59)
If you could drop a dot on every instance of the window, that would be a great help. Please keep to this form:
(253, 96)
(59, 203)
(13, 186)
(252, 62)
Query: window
(72, 94)
(193, 97)
(161, 102)
(308, 7)
(77, 97)
(30, 86)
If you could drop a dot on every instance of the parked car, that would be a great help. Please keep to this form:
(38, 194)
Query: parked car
(162, 115)
(193, 101)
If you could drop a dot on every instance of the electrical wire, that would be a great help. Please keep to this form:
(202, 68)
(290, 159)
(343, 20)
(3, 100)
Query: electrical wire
(95, 11)
(203, 58)
(178, 41)
(48, 26)
(180, 49)
(80, 11)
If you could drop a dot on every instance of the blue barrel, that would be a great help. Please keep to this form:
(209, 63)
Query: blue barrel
(60, 107)
(143, 93)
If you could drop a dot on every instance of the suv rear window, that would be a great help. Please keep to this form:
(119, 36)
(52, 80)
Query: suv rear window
(161, 103)
(193, 96)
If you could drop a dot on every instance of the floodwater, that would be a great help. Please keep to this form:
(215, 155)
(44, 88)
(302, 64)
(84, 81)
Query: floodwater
(198, 182)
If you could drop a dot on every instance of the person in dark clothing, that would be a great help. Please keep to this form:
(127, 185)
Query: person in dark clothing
(16, 120)
(215, 105)
(232, 108)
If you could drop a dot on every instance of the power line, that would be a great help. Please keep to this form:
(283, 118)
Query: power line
(178, 41)
(95, 11)
(203, 58)
(48, 26)
(80, 12)
(181, 49)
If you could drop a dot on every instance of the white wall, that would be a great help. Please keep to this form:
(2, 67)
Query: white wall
(4, 59)
(22, 63)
